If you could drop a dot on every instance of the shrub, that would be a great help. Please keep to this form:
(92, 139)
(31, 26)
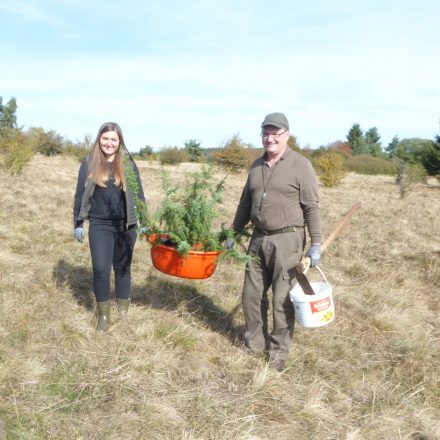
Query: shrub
(77, 151)
(408, 174)
(17, 151)
(293, 143)
(343, 147)
(173, 156)
(194, 150)
(145, 152)
(330, 168)
(366, 164)
(235, 156)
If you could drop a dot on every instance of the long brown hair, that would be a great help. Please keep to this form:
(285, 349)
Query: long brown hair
(98, 166)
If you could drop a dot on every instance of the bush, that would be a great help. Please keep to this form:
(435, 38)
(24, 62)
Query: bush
(146, 151)
(172, 156)
(409, 174)
(235, 156)
(194, 150)
(330, 168)
(79, 150)
(16, 150)
(366, 164)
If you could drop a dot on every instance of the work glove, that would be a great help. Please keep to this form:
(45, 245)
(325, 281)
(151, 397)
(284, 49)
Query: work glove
(78, 234)
(314, 253)
(229, 244)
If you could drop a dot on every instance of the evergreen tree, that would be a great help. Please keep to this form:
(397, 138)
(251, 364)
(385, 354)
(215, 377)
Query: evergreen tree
(146, 151)
(372, 141)
(194, 150)
(431, 161)
(354, 133)
(8, 118)
(392, 147)
(355, 138)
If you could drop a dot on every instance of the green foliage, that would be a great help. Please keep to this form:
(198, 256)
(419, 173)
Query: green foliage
(354, 133)
(146, 152)
(372, 142)
(132, 183)
(409, 174)
(391, 148)
(188, 211)
(172, 155)
(355, 138)
(15, 149)
(194, 150)
(80, 149)
(48, 143)
(431, 158)
(368, 143)
(359, 146)
(369, 165)
(414, 150)
(52, 144)
(330, 168)
(293, 143)
(8, 118)
(235, 156)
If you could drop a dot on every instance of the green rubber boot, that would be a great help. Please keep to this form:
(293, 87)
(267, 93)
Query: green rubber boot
(103, 316)
(123, 305)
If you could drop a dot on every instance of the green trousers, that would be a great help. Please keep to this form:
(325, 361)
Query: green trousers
(277, 255)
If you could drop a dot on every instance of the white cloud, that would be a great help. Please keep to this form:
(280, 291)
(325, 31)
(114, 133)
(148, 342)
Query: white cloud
(28, 12)
(221, 66)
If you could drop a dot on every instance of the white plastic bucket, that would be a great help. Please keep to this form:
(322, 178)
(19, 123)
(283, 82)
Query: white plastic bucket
(314, 310)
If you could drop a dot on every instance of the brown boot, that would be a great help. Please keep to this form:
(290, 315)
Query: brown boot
(103, 316)
(123, 305)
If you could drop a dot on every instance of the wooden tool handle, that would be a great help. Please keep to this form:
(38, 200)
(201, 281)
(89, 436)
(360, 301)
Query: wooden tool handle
(347, 217)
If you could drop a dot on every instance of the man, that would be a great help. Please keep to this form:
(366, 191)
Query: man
(280, 198)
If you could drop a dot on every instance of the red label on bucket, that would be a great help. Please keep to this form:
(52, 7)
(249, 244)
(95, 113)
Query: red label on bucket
(319, 306)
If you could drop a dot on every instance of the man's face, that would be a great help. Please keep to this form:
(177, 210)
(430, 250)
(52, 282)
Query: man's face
(274, 139)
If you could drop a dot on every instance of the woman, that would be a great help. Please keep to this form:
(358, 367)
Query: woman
(102, 196)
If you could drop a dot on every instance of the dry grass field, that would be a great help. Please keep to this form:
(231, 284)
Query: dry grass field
(175, 369)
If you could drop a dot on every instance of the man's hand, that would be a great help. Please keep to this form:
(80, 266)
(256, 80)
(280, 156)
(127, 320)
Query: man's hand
(78, 234)
(229, 244)
(314, 253)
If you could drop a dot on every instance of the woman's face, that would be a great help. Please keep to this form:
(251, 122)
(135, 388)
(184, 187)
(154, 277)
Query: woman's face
(109, 143)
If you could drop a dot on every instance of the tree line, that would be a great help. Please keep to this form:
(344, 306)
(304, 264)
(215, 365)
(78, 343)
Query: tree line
(360, 151)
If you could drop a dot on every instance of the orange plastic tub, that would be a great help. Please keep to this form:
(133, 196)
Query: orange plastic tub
(195, 265)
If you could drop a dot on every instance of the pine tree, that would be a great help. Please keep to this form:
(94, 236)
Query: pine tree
(355, 138)
(194, 150)
(392, 147)
(372, 141)
(431, 161)
(8, 118)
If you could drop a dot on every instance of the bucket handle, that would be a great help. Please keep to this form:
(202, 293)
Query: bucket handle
(322, 273)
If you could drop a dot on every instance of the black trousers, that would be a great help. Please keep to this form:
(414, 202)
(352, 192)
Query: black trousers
(111, 246)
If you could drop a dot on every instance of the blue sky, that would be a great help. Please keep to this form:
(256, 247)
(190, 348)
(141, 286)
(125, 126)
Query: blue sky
(170, 71)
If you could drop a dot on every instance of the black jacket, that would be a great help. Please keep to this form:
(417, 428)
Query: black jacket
(85, 188)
